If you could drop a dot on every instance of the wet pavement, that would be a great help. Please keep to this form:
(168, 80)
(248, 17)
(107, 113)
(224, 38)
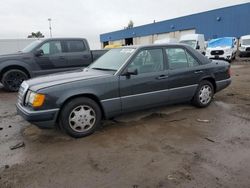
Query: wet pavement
(174, 146)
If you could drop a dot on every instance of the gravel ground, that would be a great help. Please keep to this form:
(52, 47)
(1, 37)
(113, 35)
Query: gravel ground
(165, 147)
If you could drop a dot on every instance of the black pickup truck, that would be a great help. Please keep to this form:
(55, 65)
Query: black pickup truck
(45, 57)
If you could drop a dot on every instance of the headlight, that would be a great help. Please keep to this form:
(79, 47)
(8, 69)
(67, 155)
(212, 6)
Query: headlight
(35, 99)
(227, 50)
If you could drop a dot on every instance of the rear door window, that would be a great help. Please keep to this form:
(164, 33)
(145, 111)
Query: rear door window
(177, 58)
(191, 61)
(75, 46)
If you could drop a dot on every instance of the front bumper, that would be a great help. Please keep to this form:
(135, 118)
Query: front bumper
(227, 57)
(222, 84)
(42, 118)
(244, 53)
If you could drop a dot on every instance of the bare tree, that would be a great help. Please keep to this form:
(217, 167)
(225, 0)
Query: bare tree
(130, 24)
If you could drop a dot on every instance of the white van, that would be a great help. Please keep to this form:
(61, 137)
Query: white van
(196, 41)
(222, 48)
(244, 49)
(166, 41)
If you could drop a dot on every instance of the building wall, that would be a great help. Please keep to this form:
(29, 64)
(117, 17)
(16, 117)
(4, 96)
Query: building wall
(230, 21)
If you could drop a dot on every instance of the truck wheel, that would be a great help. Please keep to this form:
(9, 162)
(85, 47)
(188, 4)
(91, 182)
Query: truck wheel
(80, 117)
(12, 79)
(204, 94)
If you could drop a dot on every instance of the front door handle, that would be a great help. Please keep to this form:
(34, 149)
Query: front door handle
(198, 72)
(161, 77)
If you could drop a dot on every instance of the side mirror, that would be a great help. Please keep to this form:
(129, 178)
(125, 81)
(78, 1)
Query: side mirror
(198, 47)
(130, 71)
(39, 53)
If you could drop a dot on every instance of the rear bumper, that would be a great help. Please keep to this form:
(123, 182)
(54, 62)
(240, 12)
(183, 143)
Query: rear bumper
(222, 84)
(42, 118)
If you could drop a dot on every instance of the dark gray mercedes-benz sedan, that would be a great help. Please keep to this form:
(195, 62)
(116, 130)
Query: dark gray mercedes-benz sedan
(123, 80)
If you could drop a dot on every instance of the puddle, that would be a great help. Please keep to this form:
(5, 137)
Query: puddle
(237, 66)
(137, 116)
(223, 105)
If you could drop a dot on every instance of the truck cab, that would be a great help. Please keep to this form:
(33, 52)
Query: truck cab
(46, 56)
(196, 41)
(244, 48)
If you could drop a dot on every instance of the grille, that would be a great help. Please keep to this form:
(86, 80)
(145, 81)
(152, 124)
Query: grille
(247, 49)
(217, 52)
(21, 93)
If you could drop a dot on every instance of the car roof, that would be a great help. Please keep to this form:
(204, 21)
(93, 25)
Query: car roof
(62, 38)
(199, 56)
(156, 45)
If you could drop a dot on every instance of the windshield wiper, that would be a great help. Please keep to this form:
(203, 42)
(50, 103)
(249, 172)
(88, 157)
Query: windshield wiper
(103, 69)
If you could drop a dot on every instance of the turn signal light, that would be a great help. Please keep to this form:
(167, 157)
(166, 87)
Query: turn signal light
(38, 100)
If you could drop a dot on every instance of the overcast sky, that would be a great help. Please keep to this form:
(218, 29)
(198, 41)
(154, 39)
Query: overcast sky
(90, 18)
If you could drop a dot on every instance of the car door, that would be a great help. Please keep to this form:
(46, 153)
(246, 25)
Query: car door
(78, 55)
(149, 87)
(185, 71)
(52, 59)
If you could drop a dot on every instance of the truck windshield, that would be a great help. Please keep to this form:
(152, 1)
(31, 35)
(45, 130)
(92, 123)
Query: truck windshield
(31, 46)
(245, 42)
(113, 59)
(191, 43)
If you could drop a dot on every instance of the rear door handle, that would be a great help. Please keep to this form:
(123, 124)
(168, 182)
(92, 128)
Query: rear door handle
(162, 77)
(198, 72)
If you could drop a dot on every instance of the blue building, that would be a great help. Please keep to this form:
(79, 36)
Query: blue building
(230, 21)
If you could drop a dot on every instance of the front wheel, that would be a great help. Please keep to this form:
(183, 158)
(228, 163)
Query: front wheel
(12, 79)
(204, 94)
(80, 117)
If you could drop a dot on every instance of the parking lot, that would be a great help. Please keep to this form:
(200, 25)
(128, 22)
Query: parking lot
(175, 146)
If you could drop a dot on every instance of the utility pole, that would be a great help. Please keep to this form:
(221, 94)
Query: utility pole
(50, 29)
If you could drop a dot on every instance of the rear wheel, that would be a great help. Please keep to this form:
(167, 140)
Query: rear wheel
(80, 117)
(204, 94)
(12, 79)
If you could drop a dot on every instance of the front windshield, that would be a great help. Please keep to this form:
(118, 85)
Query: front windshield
(113, 59)
(245, 42)
(220, 42)
(31, 46)
(191, 43)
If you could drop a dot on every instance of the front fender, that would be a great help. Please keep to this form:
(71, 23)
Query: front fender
(15, 63)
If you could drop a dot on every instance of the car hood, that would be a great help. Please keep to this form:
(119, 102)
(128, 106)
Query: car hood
(42, 82)
(15, 56)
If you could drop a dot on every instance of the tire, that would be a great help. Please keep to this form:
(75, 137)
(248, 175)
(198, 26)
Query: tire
(80, 117)
(204, 94)
(12, 79)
